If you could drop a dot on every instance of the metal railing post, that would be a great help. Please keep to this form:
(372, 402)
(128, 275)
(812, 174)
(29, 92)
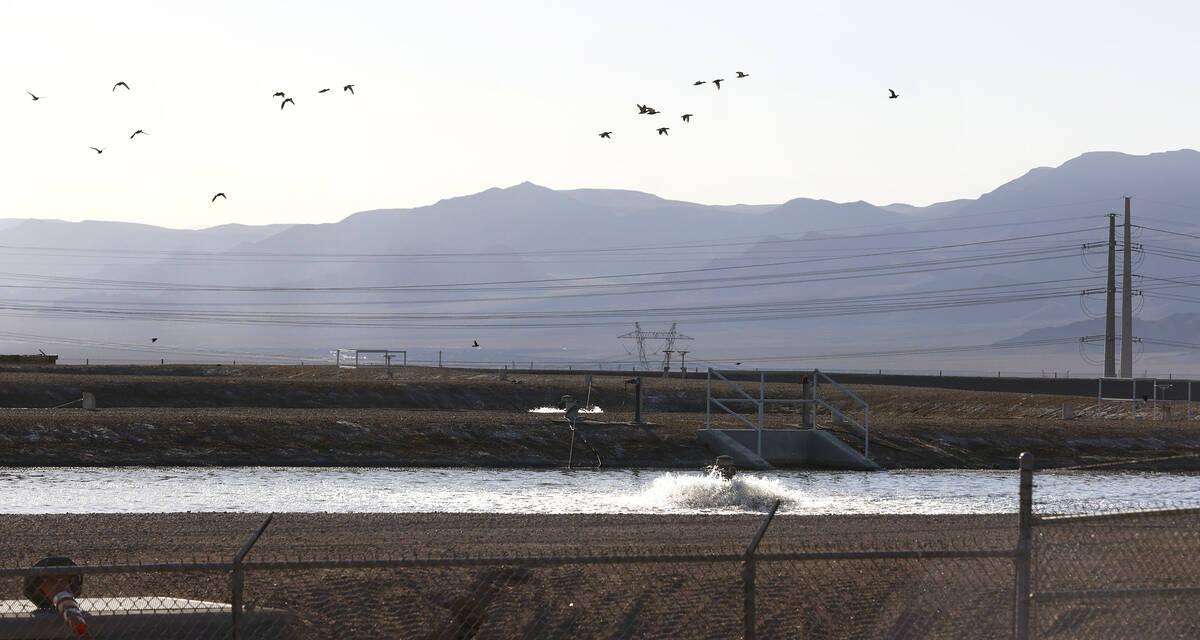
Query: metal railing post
(762, 395)
(867, 437)
(237, 578)
(812, 400)
(1024, 557)
(1133, 398)
(708, 401)
(749, 572)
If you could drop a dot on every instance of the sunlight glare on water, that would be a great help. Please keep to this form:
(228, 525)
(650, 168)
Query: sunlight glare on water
(545, 491)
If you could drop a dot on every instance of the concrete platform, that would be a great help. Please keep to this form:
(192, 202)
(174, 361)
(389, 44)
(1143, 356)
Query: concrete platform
(791, 447)
(143, 618)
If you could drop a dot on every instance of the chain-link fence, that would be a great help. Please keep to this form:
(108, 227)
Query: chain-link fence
(1117, 575)
(1099, 575)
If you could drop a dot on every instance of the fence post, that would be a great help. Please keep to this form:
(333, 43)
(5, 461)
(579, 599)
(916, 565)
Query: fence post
(708, 401)
(1024, 557)
(238, 577)
(749, 571)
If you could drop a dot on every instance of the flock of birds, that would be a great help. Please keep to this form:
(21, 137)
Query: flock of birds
(286, 100)
(647, 110)
(123, 85)
(687, 117)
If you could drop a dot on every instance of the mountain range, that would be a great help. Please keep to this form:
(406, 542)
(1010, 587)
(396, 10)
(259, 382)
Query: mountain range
(532, 271)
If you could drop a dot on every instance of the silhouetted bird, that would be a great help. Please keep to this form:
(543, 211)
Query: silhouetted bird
(284, 103)
(349, 88)
(153, 339)
(120, 84)
(35, 98)
(474, 344)
(718, 82)
(687, 117)
(606, 134)
(641, 107)
(219, 195)
(323, 90)
(662, 131)
(651, 111)
(894, 94)
(137, 132)
(97, 150)
(737, 364)
(743, 74)
(698, 83)
(278, 94)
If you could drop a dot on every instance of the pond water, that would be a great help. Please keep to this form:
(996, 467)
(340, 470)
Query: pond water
(306, 489)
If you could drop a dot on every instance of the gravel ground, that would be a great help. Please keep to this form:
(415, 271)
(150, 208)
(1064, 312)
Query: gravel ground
(317, 416)
(507, 599)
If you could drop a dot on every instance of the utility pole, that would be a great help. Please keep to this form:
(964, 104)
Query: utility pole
(1110, 307)
(1127, 303)
(683, 364)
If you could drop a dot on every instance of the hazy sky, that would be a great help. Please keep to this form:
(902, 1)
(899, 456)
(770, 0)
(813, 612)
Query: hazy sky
(453, 98)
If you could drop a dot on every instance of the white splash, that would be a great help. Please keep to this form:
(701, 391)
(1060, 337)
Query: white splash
(711, 491)
(592, 409)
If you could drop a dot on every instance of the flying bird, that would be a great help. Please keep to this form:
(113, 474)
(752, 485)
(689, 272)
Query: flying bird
(475, 344)
(120, 84)
(35, 98)
(153, 339)
(349, 88)
(642, 108)
(97, 150)
(698, 83)
(662, 131)
(894, 94)
(137, 132)
(323, 90)
(687, 117)
(606, 134)
(284, 103)
(718, 82)
(651, 111)
(278, 94)
(743, 74)
(219, 195)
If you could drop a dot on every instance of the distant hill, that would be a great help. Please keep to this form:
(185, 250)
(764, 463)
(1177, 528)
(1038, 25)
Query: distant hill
(1178, 327)
(802, 273)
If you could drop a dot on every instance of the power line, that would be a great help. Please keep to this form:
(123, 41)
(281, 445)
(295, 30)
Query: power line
(901, 352)
(638, 249)
(589, 282)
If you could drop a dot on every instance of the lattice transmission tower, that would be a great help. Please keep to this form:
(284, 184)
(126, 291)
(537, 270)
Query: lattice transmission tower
(640, 337)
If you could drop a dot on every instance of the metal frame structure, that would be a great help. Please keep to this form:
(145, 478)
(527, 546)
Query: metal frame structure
(359, 363)
(1156, 385)
(809, 403)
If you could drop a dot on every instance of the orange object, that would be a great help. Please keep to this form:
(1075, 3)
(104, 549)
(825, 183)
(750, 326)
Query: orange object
(57, 589)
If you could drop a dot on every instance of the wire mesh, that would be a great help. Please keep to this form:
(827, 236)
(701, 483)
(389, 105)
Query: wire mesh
(1117, 575)
(133, 602)
(1102, 573)
(885, 598)
(516, 600)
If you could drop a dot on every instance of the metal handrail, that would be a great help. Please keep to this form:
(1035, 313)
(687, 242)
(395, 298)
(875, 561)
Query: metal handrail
(762, 400)
(866, 427)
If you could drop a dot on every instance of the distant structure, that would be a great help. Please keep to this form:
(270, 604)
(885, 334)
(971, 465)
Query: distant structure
(668, 338)
(37, 358)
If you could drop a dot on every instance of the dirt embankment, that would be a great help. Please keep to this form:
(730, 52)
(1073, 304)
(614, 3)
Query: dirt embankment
(223, 415)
